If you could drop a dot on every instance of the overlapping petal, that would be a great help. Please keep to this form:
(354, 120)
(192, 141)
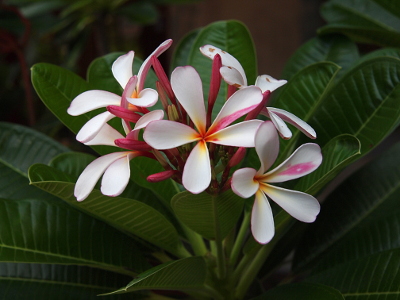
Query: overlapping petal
(268, 83)
(91, 100)
(122, 68)
(300, 206)
(303, 161)
(238, 135)
(93, 127)
(227, 59)
(294, 120)
(197, 171)
(187, 86)
(147, 118)
(232, 76)
(239, 104)
(116, 177)
(164, 134)
(243, 183)
(106, 136)
(281, 126)
(146, 98)
(89, 177)
(262, 220)
(267, 146)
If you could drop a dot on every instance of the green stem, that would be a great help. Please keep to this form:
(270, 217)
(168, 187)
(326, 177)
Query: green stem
(195, 239)
(251, 272)
(221, 266)
(240, 238)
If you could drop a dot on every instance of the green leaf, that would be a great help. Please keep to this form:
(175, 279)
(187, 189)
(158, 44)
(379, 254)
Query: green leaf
(373, 277)
(362, 20)
(127, 215)
(72, 163)
(19, 148)
(301, 291)
(303, 95)
(338, 153)
(186, 274)
(182, 50)
(205, 214)
(140, 12)
(359, 218)
(100, 76)
(43, 231)
(364, 103)
(334, 48)
(45, 281)
(232, 37)
(392, 52)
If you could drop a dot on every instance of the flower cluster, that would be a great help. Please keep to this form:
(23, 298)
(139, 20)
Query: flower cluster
(195, 150)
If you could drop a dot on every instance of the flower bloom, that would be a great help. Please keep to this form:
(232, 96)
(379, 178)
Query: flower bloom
(248, 181)
(166, 134)
(134, 97)
(233, 74)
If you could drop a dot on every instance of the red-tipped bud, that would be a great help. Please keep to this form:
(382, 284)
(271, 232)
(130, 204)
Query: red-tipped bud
(164, 81)
(215, 84)
(161, 176)
(123, 113)
(133, 145)
(255, 112)
(237, 157)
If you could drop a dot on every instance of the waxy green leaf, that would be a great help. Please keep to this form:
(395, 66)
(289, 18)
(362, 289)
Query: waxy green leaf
(364, 21)
(361, 217)
(25, 281)
(188, 274)
(44, 231)
(364, 103)
(334, 48)
(205, 214)
(302, 291)
(128, 215)
(337, 154)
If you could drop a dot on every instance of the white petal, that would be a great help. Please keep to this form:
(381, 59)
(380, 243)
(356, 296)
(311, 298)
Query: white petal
(227, 59)
(232, 76)
(116, 177)
(187, 86)
(146, 98)
(91, 100)
(243, 183)
(122, 68)
(267, 145)
(282, 128)
(300, 206)
(93, 126)
(268, 83)
(239, 104)
(197, 171)
(295, 121)
(238, 135)
(147, 118)
(164, 134)
(262, 220)
(106, 136)
(87, 180)
(303, 161)
(144, 68)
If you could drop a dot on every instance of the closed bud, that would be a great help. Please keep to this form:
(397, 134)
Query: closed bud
(161, 176)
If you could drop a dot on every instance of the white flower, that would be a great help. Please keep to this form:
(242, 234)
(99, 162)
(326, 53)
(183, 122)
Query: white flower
(247, 182)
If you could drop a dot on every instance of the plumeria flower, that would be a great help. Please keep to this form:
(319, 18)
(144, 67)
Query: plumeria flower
(233, 74)
(247, 182)
(134, 95)
(114, 166)
(165, 134)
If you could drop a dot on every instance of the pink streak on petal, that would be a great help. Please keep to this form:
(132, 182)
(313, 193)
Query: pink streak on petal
(299, 169)
(144, 68)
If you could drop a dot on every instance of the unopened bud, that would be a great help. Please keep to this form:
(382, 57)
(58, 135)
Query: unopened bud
(173, 114)
(237, 157)
(161, 176)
